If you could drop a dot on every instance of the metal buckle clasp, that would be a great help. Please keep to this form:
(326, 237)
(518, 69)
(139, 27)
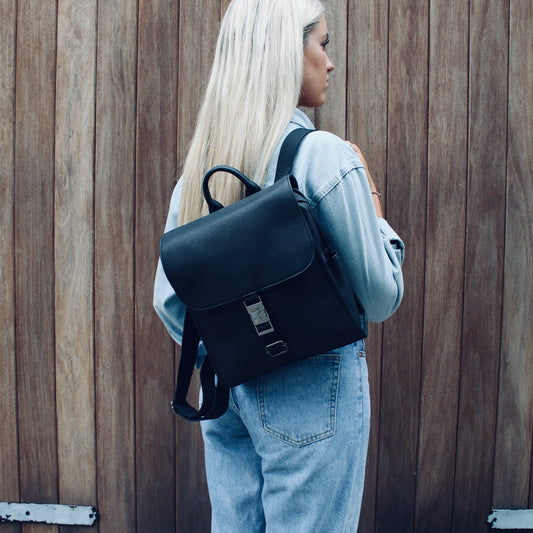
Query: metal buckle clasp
(258, 314)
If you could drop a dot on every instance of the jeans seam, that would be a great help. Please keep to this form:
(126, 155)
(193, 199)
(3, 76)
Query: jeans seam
(233, 402)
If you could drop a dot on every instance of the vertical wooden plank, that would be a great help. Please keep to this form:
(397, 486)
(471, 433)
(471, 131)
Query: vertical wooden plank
(489, 23)
(198, 18)
(367, 83)
(406, 211)
(34, 260)
(332, 115)
(223, 7)
(74, 250)
(367, 126)
(444, 271)
(9, 480)
(530, 505)
(514, 434)
(155, 177)
(114, 275)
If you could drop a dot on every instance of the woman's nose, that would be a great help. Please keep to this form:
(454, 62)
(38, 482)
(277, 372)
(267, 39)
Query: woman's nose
(329, 64)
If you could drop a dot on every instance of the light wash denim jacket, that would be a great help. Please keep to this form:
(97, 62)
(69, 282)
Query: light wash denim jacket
(333, 178)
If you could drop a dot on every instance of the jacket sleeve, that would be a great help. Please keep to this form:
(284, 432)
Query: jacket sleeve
(370, 250)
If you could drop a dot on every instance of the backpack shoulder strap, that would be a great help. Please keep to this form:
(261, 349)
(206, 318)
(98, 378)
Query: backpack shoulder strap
(215, 396)
(288, 151)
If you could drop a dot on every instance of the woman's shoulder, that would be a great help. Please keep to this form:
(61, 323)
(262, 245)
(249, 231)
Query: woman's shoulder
(323, 161)
(324, 150)
(322, 140)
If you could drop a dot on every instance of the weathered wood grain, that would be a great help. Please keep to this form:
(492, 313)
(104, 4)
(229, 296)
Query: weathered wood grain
(199, 23)
(74, 250)
(489, 23)
(406, 211)
(223, 7)
(332, 115)
(367, 67)
(114, 264)
(444, 269)
(95, 120)
(34, 252)
(198, 31)
(157, 88)
(514, 433)
(366, 122)
(9, 479)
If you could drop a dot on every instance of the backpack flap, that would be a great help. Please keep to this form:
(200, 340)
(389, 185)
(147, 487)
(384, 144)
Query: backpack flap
(240, 250)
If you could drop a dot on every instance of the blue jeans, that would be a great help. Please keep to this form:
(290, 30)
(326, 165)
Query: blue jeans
(289, 454)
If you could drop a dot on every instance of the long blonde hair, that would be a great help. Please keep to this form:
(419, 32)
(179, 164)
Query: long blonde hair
(252, 92)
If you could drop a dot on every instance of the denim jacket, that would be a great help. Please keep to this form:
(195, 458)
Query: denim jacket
(333, 178)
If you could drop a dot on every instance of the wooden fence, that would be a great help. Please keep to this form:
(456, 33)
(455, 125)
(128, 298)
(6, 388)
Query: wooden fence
(97, 104)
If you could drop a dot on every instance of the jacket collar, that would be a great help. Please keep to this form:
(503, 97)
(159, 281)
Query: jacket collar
(301, 119)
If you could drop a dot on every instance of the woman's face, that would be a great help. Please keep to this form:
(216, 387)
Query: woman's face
(317, 66)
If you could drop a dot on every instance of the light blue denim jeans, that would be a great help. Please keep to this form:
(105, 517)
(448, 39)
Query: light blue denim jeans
(289, 454)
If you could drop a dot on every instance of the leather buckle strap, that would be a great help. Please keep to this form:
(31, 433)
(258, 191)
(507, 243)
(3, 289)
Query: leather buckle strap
(215, 395)
(277, 348)
(261, 321)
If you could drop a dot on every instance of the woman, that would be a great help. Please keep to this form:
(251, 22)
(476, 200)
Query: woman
(289, 454)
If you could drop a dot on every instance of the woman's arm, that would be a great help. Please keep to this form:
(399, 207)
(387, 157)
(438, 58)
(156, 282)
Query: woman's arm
(168, 306)
(334, 178)
(370, 250)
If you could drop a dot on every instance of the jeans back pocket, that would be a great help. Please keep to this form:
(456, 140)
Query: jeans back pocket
(298, 403)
